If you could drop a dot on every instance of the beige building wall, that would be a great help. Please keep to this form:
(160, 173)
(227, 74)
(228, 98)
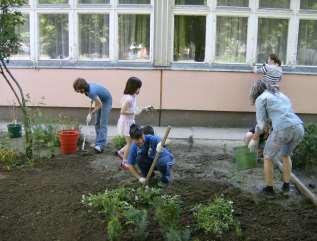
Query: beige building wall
(180, 90)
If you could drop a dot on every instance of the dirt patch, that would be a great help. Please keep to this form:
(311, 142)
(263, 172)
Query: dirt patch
(43, 202)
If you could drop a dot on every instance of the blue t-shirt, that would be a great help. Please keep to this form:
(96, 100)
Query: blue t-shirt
(100, 91)
(148, 150)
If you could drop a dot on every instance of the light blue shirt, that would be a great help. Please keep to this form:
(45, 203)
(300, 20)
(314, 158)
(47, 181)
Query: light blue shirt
(275, 107)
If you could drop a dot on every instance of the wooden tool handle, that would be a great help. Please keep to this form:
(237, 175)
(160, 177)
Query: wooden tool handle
(157, 155)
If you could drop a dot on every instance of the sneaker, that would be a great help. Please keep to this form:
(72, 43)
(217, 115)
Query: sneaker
(119, 154)
(268, 190)
(98, 149)
(285, 187)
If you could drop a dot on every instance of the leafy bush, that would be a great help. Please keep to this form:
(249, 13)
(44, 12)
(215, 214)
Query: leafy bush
(118, 141)
(139, 220)
(216, 217)
(305, 154)
(114, 229)
(167, 212)
(8, 158)
(125, 210)
(45, 131)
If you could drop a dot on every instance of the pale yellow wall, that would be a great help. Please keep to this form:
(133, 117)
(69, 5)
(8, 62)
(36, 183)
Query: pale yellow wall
(56, 85)
(181, 90)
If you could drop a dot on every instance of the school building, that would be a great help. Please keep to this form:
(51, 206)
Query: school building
(194, 57)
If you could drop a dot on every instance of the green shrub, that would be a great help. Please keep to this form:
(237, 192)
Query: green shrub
(138, 219)
(125, 210)
(167, 211)
(118, 141)
(305, 154)
(216, 217)
(114, 229)
(8, 158)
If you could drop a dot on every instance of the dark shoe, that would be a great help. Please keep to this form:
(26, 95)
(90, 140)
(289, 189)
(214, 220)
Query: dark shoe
(285, 187)
(162, 184)
(268, 190)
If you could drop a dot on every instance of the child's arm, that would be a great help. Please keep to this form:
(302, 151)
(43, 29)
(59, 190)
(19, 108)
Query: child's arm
(134, 172)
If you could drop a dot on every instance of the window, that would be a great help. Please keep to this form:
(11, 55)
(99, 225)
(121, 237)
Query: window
(274, 4)
(94, 1)
(308, 4)
(272, 38)
(53, 1)
(307, 43)
(24, 34)
(93, 36)
(134, 1)
(190, 2)
(189, 38)
(231, 40)
(54, 42)
(134, 36)
(237, 3)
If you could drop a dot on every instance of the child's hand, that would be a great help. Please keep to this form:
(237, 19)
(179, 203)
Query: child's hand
(148, 108)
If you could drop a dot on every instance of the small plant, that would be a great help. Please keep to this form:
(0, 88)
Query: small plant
(114, 229)
(8, 158)
(167, 212)
(45, 131)
(216, 217)
(139, 220)
(118, 142)
(305, 154)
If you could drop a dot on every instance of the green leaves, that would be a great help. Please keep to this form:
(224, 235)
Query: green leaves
(118, 141)
(9, 20)
(215, 217)
(305, 154)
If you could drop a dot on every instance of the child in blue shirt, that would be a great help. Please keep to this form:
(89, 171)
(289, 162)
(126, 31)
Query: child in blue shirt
(103, 104)
(142, 153)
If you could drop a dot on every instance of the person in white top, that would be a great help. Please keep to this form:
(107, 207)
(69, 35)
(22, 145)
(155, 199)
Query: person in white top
(128, 112)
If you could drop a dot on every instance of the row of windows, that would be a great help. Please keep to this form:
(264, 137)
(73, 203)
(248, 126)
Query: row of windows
(304, 4)
(133, 41)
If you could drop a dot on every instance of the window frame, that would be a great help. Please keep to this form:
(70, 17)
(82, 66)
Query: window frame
(165, 56)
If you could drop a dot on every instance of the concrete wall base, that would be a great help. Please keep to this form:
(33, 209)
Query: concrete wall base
(179, 118)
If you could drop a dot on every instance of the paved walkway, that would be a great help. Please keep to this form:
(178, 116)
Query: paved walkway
(204, 133)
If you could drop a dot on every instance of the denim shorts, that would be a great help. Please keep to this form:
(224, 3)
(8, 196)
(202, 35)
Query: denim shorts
(283, 141)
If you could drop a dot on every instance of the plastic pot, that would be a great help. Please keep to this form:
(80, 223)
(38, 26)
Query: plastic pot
(68, 141)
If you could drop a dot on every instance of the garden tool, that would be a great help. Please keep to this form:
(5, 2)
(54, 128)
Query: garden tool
(87, 123)
(157, 155)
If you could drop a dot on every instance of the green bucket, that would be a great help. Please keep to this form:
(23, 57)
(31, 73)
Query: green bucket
(244, 158)
(15, 130)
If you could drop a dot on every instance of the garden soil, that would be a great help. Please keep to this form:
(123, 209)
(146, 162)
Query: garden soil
(43, 202)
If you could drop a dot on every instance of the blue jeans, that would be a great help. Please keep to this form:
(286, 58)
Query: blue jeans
(101, 125)
(163, 165)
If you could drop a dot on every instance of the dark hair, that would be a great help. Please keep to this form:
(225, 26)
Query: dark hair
(133, 84)
(275, 58)
(257, 89)
(148, 130)
(81, 83)
(136, 131)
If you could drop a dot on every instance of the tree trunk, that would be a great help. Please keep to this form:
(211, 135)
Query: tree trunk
(22, 103)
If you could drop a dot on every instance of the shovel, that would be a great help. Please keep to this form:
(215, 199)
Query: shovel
(84, 141)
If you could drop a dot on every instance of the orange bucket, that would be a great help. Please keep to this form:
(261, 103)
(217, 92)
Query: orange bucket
(68, 140)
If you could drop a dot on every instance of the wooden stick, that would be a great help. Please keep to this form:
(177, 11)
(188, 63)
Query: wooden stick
(301, 187)
(157, 155)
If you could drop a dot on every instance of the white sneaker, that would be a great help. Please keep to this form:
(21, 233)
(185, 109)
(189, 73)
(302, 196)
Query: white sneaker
(98, 149)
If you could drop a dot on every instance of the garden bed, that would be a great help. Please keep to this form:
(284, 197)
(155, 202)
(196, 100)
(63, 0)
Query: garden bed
(43, 202)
